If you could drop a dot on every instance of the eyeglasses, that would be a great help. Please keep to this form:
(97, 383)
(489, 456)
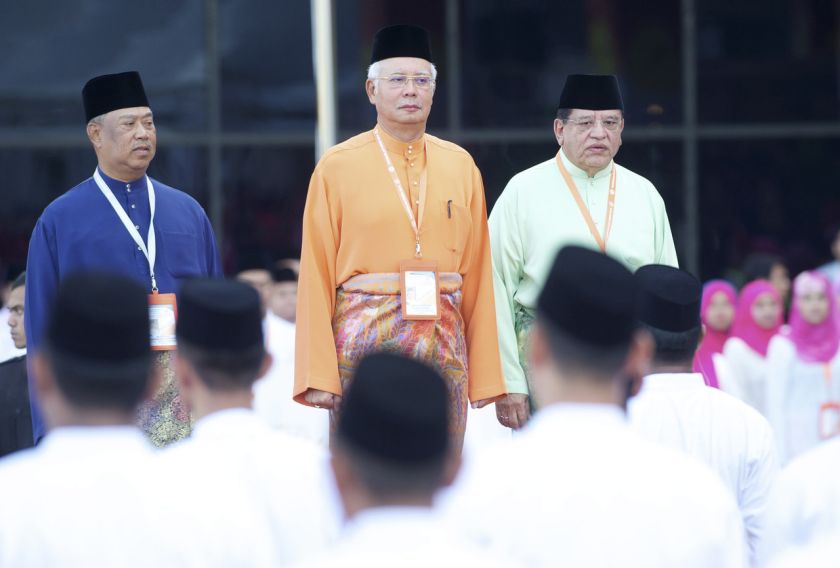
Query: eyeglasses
(400, 81)
(587, 124)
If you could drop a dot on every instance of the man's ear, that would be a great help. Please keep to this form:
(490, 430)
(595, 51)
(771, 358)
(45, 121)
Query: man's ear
(183, 374)
(538, 350)
(342, 472)
(559, 128)
(44, 380)
(639, 358)
(155, 381)
(451, 469)
(266, 364)
(94, 133)
(370, 89)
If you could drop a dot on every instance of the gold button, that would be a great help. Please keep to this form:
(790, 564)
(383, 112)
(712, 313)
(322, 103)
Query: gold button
(415, 183)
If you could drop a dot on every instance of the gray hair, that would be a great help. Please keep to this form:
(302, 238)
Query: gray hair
(374, 70)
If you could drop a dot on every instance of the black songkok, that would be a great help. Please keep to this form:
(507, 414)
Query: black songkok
(105, 93)
(590, 297)
(99, 321)
(219, 314)
(283, 274)
(669, 298)
(401, 41)
(397, 410)
(591, 92)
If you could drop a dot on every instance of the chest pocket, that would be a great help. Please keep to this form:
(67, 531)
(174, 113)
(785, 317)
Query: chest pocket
(183, 253)
(459, 226)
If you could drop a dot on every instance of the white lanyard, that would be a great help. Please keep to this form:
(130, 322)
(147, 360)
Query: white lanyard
(415, 223)
(150, 252)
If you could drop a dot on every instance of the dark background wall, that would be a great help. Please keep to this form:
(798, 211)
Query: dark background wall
(732, 107)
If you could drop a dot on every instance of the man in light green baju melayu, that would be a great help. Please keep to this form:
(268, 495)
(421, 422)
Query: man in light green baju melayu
(608, 208)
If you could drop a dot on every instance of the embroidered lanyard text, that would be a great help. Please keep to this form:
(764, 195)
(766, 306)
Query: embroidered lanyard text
(151, 251)
(584, 211)
(416, 224)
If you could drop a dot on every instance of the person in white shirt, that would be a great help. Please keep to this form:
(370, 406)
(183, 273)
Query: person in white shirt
(389, 465)
(272, 400)
(281, 482)
(804, 506)
(578, 487)
(822, 553)
(92, 493)
(677, 409)
(803, 370)
(758, 317)
(10, 346)
(15, 415)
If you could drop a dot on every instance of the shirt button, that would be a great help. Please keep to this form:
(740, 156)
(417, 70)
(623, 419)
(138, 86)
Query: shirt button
(409, 150)
(137, 227)
(138, 248)
(411, 164)
(132, 206)
(415, 183)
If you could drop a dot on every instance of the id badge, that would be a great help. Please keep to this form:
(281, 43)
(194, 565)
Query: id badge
(420, 289)
(163, 312)
(829, 420)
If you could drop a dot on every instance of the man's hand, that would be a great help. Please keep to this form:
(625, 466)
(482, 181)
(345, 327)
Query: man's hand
(322, 399)
(513, 410)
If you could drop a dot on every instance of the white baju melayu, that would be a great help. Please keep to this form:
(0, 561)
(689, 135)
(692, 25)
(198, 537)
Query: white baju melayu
(536, 215)
(681, 412)
(796, 390)
(747, 379)
(805, 503)
(98, 496)
(580, 488)
(408, 537)
(823, 553)
(282, 481)
(273, 392)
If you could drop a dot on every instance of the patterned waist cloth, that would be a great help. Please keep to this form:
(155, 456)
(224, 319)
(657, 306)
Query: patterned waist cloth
(165, 419)
(368, 318)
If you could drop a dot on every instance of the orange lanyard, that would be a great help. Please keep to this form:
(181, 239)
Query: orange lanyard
(584, 211)
(416, 224)
(829, 416)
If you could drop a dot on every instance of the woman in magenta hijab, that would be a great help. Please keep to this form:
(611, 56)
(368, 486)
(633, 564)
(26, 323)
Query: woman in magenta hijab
(758, 318)
(803, 379)
(717, 310)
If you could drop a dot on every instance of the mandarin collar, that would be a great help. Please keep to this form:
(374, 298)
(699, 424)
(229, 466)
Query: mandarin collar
(407, 149)
(576, 172)
(118, 187)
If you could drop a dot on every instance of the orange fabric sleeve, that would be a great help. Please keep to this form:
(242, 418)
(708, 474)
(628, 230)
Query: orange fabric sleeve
(316, 364)
(479, 309)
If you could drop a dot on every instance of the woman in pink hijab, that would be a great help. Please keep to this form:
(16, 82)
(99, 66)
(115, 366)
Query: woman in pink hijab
(803, 380)
(758, 318)
(717, 310)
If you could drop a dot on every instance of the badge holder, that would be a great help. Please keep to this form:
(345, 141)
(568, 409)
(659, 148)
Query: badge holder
(420, 289)
(163, 313)
(829, 420)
